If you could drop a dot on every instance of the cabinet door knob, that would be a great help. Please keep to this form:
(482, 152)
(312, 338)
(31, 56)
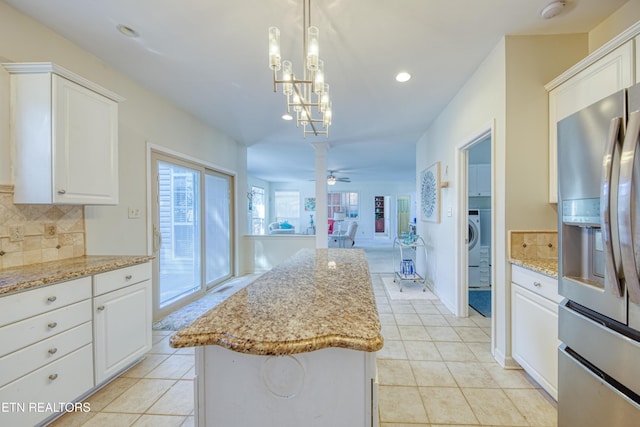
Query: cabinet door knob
(52, 299)
(62, 191)
(52, 350)
(128, 277)
(537, 284)
(100, 308)
(52, 325)
(52, 377)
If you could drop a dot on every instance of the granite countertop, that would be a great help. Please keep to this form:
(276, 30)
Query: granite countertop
(316, 299)
(547, 266)
(34, 275)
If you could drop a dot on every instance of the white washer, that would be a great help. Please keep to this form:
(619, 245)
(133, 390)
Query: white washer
(474, 238)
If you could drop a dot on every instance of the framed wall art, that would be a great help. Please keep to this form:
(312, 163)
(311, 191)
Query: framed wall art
(310, 204)
(430, 193)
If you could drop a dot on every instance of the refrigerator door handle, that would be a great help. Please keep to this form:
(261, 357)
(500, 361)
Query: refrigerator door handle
(612, 279)
(626, 208)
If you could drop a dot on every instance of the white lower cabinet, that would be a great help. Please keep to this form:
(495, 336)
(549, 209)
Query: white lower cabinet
(122, 328)
(534, 326)
(48, 390)
(46, 357)
(54, 350)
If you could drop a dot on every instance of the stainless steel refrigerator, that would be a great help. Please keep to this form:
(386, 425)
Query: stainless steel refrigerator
(599, 256)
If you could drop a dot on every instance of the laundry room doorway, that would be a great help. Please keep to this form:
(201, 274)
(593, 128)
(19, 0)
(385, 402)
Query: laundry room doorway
(479, 203)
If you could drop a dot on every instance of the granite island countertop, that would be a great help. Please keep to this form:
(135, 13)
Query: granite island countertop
(316, 299)
(34, 275)
(546, 266)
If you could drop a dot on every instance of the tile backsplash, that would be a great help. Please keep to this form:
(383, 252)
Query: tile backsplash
(533, 244)
(30, 234)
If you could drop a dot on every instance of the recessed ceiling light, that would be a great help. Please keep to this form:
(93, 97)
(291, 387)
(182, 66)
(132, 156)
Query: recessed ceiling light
(403, 77)
(287, 117)
(127, 31)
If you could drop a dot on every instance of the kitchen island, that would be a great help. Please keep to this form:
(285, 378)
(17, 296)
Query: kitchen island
(294, 348)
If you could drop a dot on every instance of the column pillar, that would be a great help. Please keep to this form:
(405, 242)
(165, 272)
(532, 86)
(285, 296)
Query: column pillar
(322, 226)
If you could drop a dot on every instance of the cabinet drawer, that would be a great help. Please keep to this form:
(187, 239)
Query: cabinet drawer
(26, 332)
(535, 282)
(19, 363)
(29, 303)
(61, 381)
(116, 279)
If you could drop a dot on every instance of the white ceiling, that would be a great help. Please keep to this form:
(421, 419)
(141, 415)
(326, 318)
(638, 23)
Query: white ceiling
(210, 58)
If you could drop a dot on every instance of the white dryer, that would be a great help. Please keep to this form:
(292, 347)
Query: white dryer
(474, 238)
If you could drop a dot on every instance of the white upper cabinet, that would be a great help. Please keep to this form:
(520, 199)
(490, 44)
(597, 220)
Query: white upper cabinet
(587, 82)
(64, 132)
(479, 180)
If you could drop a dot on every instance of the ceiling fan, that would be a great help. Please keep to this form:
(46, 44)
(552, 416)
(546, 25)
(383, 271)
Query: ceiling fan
(332, 179)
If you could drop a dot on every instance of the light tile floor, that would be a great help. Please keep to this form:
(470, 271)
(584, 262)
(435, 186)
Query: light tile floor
(435, 370)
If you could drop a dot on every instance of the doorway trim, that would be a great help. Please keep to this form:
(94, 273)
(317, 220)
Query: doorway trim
(461, 244)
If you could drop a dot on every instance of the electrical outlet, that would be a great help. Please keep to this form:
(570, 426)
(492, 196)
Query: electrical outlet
(16, 233)
(134, 213)
(50, 230)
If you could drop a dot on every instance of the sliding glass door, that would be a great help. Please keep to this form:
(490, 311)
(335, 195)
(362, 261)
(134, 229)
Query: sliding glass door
(192, 226)
(218, 198)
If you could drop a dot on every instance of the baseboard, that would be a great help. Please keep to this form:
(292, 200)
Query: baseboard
(507, 362)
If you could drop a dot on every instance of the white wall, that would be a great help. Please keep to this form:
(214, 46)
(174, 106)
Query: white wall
(478, 104)
(507, 93)
(143, 117)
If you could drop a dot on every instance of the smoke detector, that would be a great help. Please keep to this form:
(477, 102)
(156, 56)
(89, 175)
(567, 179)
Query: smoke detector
(552, 9)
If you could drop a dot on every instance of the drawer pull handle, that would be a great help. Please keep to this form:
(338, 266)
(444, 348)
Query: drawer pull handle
(128, 277)
(537, 284)
(52, 350)
(52, 377)
(52, 299)
(100, 308)
(52, 325)
(63, 191)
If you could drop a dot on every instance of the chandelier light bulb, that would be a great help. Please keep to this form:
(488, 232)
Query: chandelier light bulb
(324, 98)
(287, 76)
(313, 48)
(297, 105)
(318, 82)
(274, 48)
(326, 120)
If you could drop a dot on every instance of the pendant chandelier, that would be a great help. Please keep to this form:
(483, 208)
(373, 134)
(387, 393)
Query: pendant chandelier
(308, 95)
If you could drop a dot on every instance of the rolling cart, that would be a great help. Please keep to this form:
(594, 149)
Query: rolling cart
(405, 252)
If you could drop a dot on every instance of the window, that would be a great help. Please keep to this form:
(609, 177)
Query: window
(346, 202)
(287, 207)
(257, 210)
(184, 204)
